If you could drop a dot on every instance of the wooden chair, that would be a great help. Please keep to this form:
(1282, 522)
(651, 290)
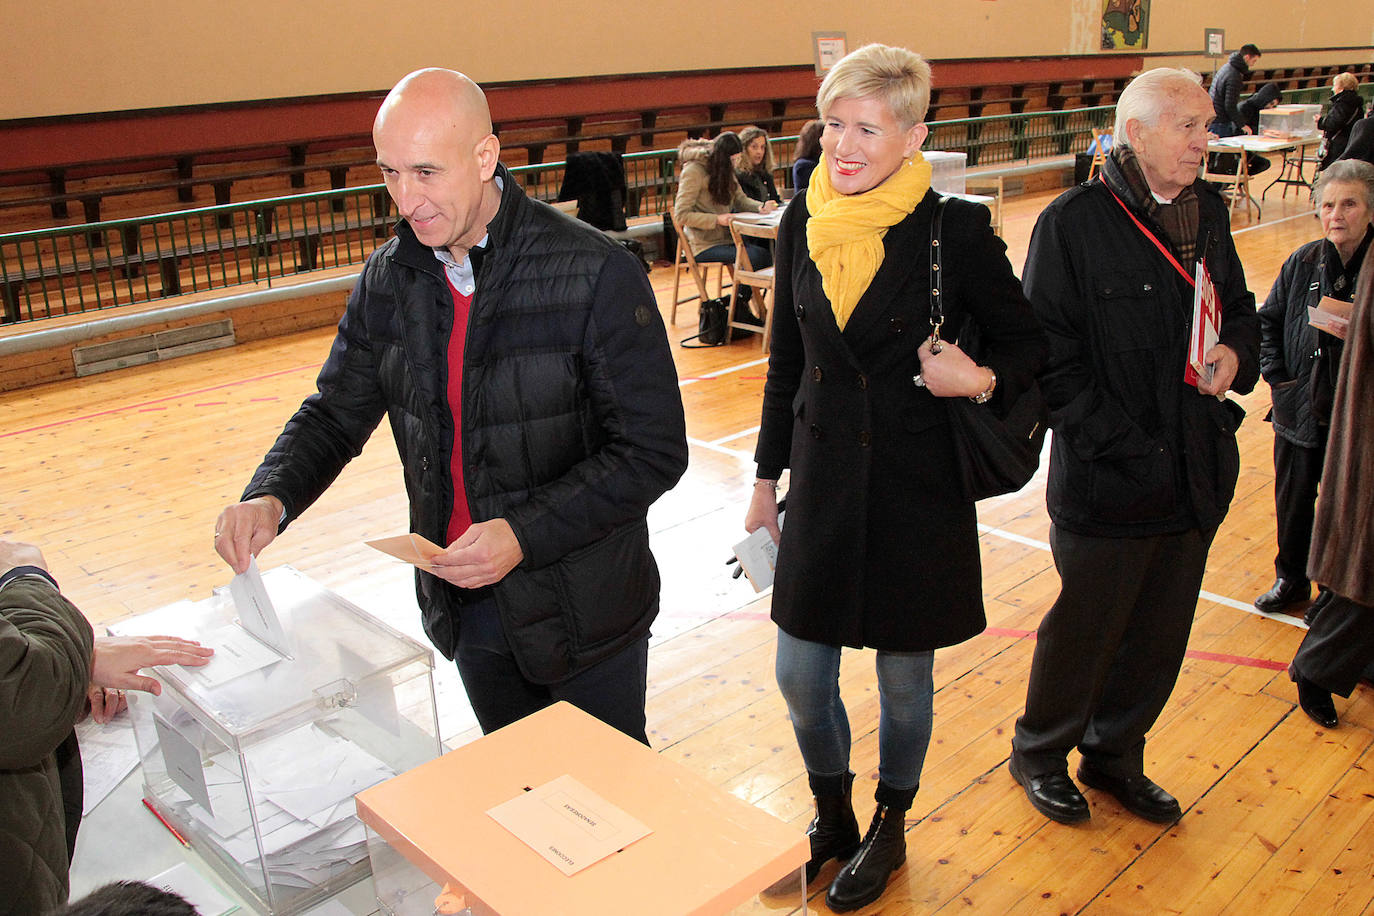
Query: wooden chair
(686, 260)
(992, 186)
(761, 281)
(1234, 186)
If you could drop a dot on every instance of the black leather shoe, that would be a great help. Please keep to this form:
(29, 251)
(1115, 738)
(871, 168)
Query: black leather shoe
(1283, 593)
(1138, 794)
(1053, 795)
(864, 877)
(1314, 701)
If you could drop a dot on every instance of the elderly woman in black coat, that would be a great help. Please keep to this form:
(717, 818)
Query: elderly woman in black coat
(880, 546)
(1346, 108)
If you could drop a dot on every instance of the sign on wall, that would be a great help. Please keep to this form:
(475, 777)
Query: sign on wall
(1125, 25)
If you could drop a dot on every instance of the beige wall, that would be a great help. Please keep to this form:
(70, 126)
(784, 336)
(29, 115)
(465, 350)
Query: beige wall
(77, 56)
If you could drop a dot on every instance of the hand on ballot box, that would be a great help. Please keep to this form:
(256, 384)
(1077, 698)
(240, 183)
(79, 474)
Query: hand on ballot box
(118, 660)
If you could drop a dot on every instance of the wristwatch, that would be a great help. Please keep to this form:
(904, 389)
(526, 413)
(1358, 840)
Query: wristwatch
(986, 394)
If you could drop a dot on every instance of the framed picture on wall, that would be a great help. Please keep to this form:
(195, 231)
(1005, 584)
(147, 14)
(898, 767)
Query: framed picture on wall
(829, 47)
(1125, 25)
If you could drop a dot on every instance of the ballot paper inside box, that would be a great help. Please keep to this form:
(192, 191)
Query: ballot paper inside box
(255, 759)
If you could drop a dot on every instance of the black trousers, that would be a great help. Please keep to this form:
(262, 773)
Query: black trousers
(1109, 651)
(1338, 646)
(612, 690)
(1297, 471)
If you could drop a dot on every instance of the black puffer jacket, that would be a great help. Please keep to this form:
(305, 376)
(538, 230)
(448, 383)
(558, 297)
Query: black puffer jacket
(1136, 450)
(572, 424)
(1225, 92)
(1288, 344)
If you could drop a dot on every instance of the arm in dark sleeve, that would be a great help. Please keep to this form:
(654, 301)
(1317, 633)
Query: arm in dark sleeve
(632, 391)
(785, 354)
(46, 647)
(1014, 345)
(1090, 419)
(332, 426)
(1232, 100)
(1239, 323)
(1273, 315)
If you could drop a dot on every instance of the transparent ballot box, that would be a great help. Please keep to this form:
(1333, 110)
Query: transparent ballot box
(560, 813)
(947, 171)
(1289, 121)
(254, 759)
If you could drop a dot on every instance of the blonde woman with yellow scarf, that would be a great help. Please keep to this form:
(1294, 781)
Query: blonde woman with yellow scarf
(879, 547)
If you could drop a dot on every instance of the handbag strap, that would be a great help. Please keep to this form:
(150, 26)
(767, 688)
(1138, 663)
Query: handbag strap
(1151, 236)
(937, 312)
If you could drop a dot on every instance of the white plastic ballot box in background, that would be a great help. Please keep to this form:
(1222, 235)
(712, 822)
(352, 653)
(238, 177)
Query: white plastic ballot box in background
(254, 759)
(435, 847)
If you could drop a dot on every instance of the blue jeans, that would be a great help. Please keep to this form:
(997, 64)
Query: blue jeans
(809, 678)
(759, 256)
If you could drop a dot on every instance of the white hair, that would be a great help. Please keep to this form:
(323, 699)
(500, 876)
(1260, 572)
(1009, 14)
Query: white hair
(1149, 95)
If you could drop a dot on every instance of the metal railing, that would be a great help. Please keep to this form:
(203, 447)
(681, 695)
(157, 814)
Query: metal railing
(71, 269)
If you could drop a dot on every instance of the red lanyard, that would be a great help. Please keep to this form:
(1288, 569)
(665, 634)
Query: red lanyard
(1151, 236)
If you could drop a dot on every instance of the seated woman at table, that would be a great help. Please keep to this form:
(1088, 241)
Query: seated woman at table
(1346, 108)
(807, 155)
(882, 543)
(756, 166)
(709, 197)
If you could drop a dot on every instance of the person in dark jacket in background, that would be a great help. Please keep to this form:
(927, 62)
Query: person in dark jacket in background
(1304, 386)
(1346, 108)
(523, 365)
(1226, 86)
(1143, 464)
(808, 153)
(53, 671)
(1361, 144)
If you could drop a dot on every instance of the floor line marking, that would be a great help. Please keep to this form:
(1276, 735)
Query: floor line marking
(1244, 661)
(711, 446)
(1308, 215)
(739, 435)
(683, 383)
(144, 404)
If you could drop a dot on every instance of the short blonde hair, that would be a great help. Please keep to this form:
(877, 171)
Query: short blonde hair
(1146, 98)
(898, 77)
(1344, 81)
(749, 135)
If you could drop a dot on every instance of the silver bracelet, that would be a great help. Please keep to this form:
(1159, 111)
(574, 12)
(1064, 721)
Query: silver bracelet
(770, 484)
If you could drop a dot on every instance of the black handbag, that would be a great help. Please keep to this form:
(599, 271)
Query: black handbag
(996, 452)
(711, 321)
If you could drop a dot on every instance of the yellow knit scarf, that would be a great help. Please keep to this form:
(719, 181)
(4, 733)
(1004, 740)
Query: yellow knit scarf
(845, 232)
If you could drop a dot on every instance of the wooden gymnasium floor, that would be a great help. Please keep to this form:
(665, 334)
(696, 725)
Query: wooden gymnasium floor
(119, 477)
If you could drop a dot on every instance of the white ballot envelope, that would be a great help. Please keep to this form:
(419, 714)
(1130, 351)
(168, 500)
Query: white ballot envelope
(254, 606)
(758, 556)
(568, 824)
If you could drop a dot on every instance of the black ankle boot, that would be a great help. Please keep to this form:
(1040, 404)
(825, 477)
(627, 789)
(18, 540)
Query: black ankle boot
(864, 877)
(834, 833)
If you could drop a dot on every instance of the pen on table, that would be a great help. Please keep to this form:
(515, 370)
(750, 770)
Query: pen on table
(180, 839)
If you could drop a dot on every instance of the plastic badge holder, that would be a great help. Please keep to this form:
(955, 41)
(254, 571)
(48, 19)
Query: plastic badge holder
(258, 772)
